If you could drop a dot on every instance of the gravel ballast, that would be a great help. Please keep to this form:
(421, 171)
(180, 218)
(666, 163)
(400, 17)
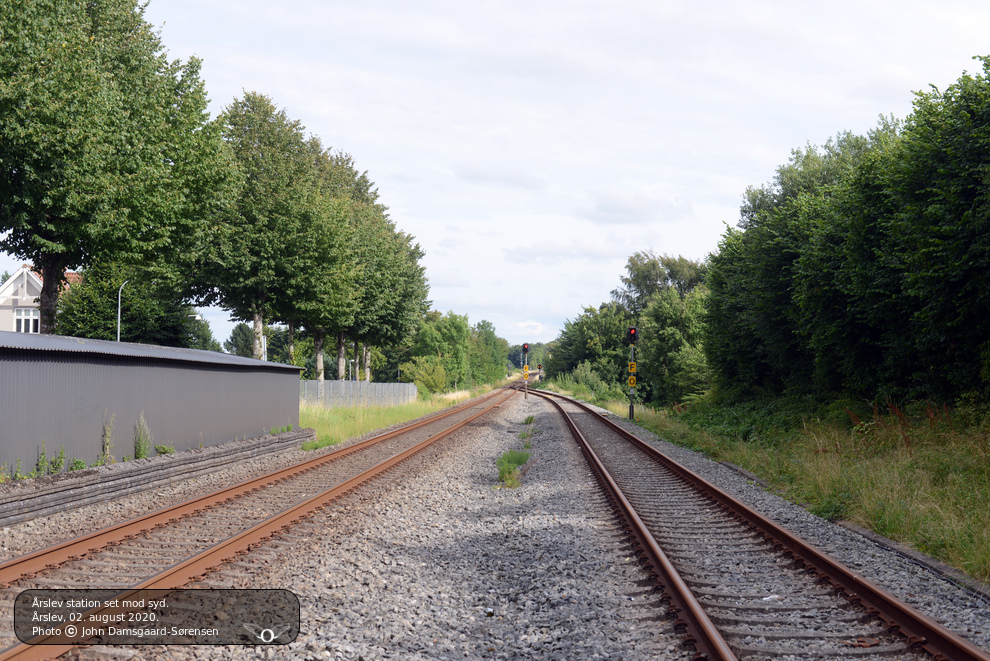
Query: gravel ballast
(450, 566)
(435, 561)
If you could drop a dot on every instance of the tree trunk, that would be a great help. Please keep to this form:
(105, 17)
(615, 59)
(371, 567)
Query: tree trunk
(259, 331)
(341, 356)
(357, 362)
(366, 360)
(52, 273)
(318, 334)
(292, 349)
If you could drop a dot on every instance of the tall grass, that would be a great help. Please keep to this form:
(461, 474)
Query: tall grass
(337, 425)
(920, 479)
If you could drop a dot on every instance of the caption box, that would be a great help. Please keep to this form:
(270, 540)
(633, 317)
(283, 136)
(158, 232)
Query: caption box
(156, 617)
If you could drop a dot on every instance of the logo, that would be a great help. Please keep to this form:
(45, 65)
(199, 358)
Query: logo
(266, 636)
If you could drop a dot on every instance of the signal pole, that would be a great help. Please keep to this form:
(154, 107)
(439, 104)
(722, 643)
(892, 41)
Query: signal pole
(526, 370)
(631, 336)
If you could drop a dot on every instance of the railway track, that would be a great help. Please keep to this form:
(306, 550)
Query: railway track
(739, 585)
(193, 538)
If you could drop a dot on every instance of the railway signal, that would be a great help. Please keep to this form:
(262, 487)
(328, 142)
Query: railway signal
(631, 336)
(526, 370)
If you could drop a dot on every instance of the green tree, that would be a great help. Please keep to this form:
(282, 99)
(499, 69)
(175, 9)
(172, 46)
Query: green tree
(670, 356)
(596, 337)
(443, 345)
(255, 250)
(323, 277)
(941, 182)
(106, 150)
(151, 313)
(756, 331)
(487, 353)
(199, 335)
(648, 274)
(241, 341)
(392, 296)
(392, 299)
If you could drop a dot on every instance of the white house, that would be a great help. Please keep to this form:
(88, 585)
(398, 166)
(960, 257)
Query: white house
(19, 308)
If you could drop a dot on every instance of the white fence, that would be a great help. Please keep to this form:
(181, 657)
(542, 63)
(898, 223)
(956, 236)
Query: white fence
(343, 394)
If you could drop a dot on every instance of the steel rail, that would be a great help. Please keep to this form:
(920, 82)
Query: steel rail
(30, 564)
(198, 566)
(701, 633)
(921, 631)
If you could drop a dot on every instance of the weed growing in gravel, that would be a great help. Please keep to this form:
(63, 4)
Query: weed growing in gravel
(41, 467)
(508, 467)
(77, 465)
(106, 455)
(58, 461)
(144, 440)
(164, 449)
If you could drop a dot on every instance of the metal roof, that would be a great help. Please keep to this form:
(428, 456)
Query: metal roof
(35, 342)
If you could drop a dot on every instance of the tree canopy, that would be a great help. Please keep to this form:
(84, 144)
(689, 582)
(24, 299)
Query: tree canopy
(150, 311)
(863, 268)
(106, 148)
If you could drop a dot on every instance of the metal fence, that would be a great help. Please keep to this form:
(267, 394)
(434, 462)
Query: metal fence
(343, 394)
(61, 391)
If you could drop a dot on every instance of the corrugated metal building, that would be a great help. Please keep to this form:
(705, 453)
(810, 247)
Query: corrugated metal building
(61, 390)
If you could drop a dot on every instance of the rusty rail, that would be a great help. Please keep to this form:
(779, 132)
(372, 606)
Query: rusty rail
(701, 633)
(30, 564)
(198, 566)
(921, 631)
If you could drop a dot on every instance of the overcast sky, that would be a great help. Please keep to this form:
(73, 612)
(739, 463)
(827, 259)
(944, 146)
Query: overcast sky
(531, 147)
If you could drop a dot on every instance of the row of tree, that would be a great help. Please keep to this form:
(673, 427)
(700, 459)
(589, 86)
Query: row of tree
(861, 269)
(109, 161)
(444, 353)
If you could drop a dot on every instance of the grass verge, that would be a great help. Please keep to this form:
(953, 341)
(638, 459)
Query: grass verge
(337, 425)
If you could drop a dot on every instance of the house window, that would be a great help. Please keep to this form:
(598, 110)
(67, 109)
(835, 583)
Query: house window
(27, 320)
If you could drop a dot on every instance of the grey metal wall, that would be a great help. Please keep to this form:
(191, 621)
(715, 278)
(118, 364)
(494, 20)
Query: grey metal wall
(62, 394)
(341, 394)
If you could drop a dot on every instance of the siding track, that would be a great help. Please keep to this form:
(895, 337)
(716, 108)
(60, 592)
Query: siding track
(194, 538)
(739, 585)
